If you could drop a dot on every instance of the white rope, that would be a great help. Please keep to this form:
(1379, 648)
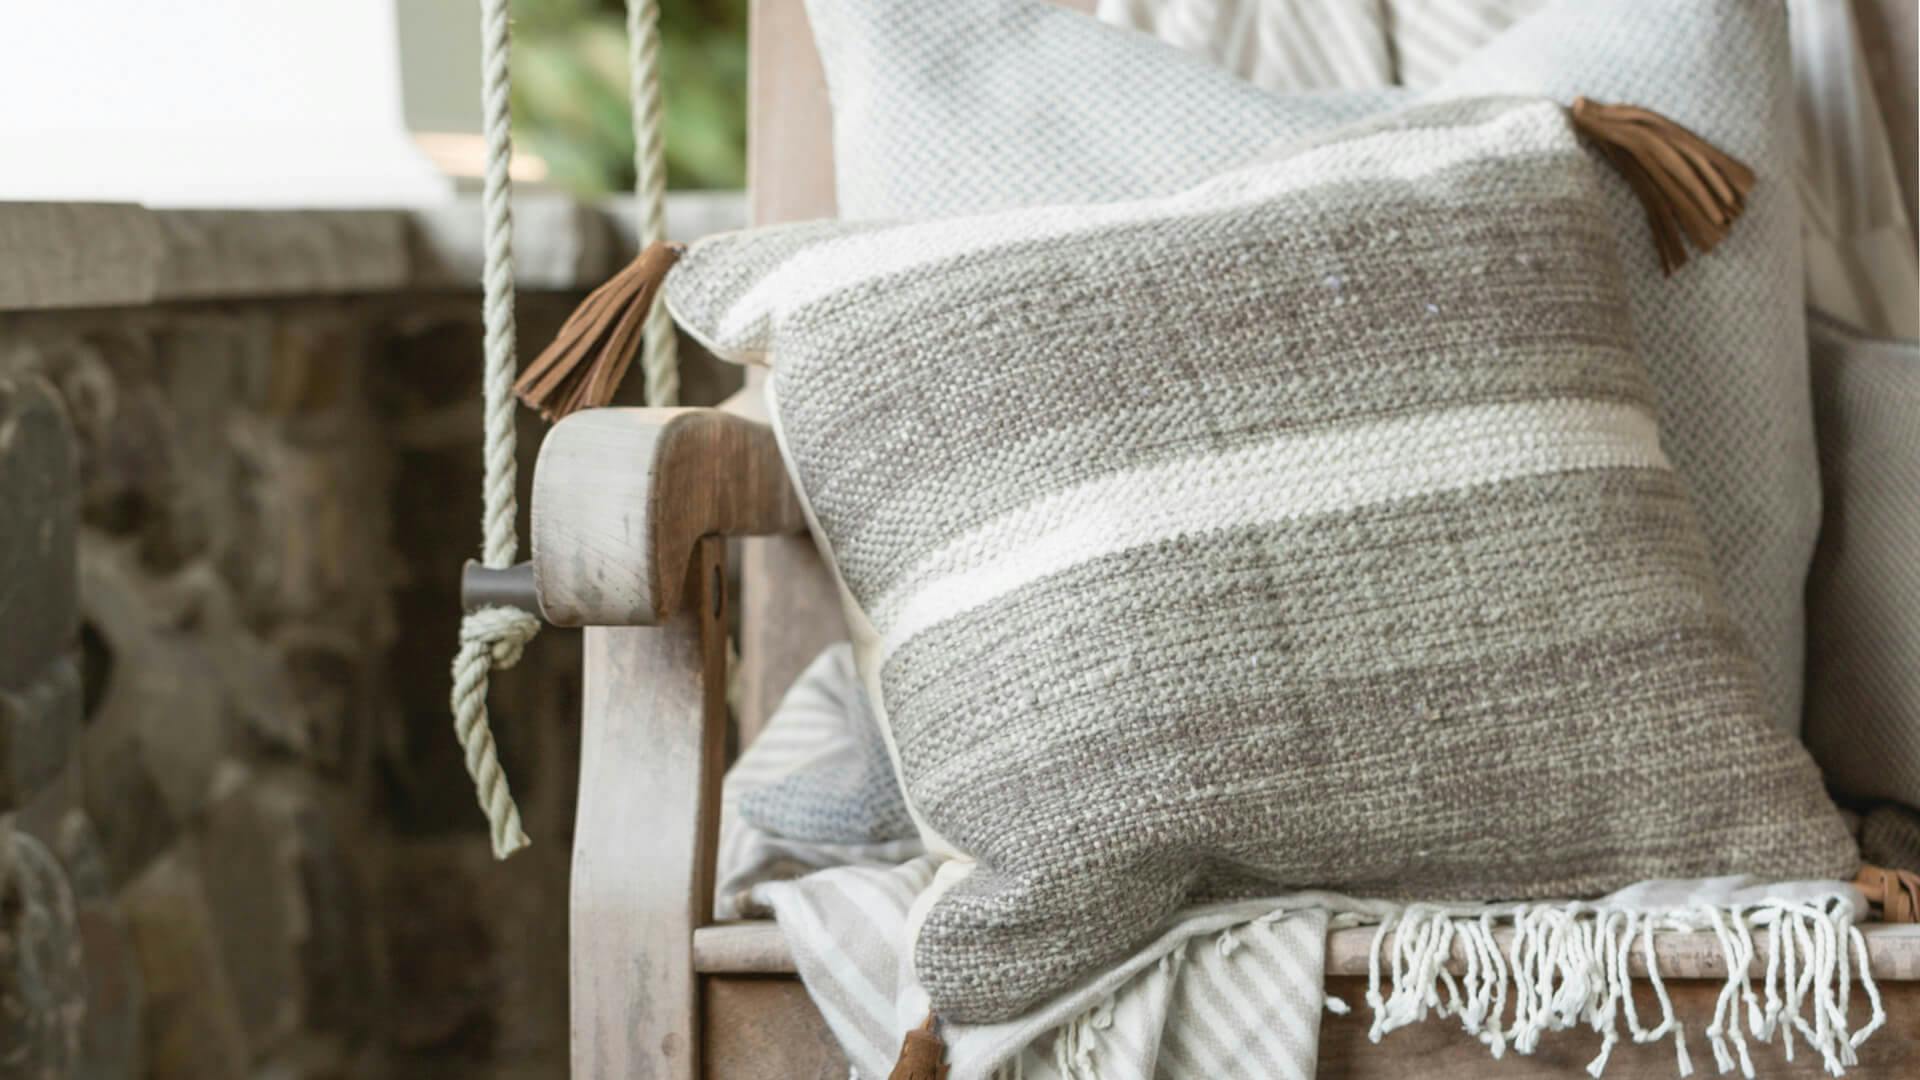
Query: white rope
(659, 360)
(494, 637)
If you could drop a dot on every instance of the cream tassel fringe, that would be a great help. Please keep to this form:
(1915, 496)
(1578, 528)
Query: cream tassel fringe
(1567, 966)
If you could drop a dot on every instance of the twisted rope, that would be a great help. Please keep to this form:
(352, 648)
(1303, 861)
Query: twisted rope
(494, 637)
(659, 360)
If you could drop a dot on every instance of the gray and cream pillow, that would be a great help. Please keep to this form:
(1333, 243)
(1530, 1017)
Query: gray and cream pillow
(945, 108)
(1310, 527)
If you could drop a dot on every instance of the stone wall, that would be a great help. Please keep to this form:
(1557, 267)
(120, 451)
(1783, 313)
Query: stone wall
(239, 471)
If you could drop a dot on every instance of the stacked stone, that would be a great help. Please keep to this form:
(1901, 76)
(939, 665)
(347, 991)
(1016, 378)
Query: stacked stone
(239, 471)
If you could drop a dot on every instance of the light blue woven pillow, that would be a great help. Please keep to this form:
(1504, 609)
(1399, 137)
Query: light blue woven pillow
(836, 782)
(945, 108)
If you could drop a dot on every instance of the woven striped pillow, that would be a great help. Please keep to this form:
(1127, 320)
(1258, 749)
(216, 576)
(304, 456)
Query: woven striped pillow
(1307, 528)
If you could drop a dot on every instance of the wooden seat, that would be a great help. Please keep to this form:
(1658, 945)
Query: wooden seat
(634, 511)
(756, 1018)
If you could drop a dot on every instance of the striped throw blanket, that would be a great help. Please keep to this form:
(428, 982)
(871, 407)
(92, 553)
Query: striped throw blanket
(1236, 990)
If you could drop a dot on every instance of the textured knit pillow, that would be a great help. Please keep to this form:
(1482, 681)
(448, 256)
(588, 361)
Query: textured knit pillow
(945, 108)
(942, 108)
(829, 778)
(1863, 617)
(1309, 527)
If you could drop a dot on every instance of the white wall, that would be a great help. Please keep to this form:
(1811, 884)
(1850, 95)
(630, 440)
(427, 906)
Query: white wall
(208, 103)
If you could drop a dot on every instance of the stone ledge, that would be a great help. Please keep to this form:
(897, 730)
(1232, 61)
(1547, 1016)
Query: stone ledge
(88, 255)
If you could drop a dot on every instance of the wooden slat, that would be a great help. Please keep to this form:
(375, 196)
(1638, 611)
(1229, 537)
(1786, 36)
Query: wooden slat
(1439, 1050)
(742, 948)
(789, 119)
(767, 1028)
(759, 948)
(652, 750)
(789, 611)
(789, 607)
(1893, 950)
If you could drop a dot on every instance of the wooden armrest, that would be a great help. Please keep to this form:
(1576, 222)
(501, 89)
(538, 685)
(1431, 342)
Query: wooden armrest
(621, 496)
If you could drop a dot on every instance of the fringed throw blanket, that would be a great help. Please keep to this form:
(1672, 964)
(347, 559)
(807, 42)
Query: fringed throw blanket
(1236, 990)
(1229, 992)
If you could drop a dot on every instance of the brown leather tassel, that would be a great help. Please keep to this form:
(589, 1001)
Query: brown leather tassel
(1685, 184)
(1895, 892)
(923, 1056)
(595, 346)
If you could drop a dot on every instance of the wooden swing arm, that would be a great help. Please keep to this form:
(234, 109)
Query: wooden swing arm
(632, 509)
(622, 496)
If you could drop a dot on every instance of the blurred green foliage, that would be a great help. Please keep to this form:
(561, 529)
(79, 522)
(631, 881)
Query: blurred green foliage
(570, 91)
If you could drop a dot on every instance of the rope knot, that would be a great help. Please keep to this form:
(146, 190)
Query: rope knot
(491, 637)
(502, 631)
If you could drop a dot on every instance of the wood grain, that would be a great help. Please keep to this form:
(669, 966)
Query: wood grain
(742, 948)
(789, 119)
(1439, 1050)
(789, 611)
(652, 750)
(1894, 951)
(789, 606)
(768, 1028)
(620, 497)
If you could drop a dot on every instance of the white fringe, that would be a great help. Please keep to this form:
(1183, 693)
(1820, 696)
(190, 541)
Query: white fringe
(1567, 966)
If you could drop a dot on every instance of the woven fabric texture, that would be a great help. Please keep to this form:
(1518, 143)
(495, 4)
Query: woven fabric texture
(1890, 837)
(837, 786)
(1863, 638)
(945, 109)
(1309, 527)
(815, 789)
(1223, 995)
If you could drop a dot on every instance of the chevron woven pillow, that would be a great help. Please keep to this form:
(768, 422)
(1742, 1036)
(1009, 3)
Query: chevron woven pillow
(1306, 528)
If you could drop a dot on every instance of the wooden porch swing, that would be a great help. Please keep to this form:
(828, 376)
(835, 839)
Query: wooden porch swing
(636, 513)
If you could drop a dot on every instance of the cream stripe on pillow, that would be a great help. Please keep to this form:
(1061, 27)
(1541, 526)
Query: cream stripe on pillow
(1293, 477)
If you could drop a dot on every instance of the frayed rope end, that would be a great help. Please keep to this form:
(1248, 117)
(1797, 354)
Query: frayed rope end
(490, 638)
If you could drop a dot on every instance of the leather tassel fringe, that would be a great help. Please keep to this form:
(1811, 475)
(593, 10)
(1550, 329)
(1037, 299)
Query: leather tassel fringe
(1895, 892)
(590, 355)
(1685, 183)
(923, 1055)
